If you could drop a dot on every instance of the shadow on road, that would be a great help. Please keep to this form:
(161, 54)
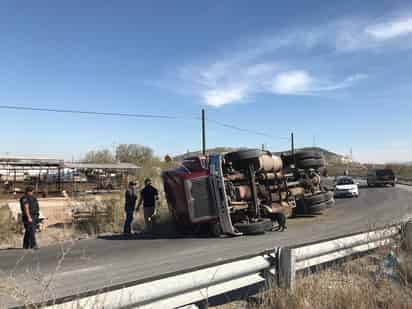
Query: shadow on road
(303, 216)
(141, 236)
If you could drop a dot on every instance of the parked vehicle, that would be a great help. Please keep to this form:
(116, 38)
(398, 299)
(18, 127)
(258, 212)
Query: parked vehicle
(346, 186)
(381, 177)
(236, 193)
(304, 169)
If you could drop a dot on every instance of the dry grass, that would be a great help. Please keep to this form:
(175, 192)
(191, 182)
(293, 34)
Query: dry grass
(358, 284)
(106, 216)
(8, 227)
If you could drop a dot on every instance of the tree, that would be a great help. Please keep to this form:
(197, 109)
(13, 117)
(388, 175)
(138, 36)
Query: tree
(134, 153)
(99, 156)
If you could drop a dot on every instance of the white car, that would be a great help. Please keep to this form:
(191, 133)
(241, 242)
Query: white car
(346, 186)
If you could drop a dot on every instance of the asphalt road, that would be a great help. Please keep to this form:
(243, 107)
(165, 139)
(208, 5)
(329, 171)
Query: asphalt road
(97, 263)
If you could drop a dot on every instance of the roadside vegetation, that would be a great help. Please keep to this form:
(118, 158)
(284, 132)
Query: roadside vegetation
(380, 280)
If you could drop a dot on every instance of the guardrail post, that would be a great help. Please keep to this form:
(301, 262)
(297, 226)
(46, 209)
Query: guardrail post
(407, 235)
(287, 270)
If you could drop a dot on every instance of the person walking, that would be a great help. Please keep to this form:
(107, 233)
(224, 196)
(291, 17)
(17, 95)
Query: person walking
(129, 207)
(30, 215)
(148, 196)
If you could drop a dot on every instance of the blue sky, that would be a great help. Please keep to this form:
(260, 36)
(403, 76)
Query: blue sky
(336, 74)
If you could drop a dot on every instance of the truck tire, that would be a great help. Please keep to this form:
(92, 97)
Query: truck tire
(244, 154)
(241, 159)
(318, 198)
(253, 228)
(305, 160)
(310, 163)
(317, 208)
(302, 155)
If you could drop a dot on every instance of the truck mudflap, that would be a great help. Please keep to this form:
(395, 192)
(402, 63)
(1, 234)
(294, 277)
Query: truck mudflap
(218, 187)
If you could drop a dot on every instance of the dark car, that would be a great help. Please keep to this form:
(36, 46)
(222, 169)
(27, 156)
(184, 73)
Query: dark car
(381, 177)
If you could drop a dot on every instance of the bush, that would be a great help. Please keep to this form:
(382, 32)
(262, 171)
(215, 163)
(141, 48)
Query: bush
(8, 226)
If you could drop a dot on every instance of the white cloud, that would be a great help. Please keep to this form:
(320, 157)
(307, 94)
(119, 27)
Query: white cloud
(391, 29)
(347, 82)
(292, 82)
(286, 63)
(220, 97)
(302, 83)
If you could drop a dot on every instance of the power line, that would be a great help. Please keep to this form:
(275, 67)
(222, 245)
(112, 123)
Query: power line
(225, 125)
(95, 113)
(133, 115)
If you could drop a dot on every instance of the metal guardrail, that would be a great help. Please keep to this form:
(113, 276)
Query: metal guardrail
(183, 289)
(196, 285)
(293, 259)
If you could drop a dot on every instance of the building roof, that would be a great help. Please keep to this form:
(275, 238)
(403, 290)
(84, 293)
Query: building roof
(30, 161)
(102, 166)
(38, 162)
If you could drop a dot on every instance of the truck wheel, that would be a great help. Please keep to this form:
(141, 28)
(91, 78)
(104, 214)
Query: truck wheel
(253, 228)
(318, 198)
(245, 154)
(316, 203)
(310, 163)
(243, 158)
(302, 155)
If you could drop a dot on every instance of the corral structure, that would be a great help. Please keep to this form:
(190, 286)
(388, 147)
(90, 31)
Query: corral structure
(50, 176)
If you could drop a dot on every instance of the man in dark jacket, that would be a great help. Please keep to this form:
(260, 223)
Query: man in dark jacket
(148, 196)
(129, 207)
(30, 214)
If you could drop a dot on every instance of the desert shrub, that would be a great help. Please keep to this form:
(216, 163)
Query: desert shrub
(98, 215)
(8, 226)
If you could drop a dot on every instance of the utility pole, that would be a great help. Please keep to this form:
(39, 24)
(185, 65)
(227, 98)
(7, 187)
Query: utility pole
(203, 132)
(292, 142)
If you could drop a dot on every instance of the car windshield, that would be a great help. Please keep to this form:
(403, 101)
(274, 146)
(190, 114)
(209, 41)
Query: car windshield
(344, 181)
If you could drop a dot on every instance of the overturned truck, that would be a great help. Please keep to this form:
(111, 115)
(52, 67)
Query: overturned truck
(236, 193)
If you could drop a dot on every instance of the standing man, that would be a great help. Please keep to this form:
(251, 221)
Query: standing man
(149, 195)
(30, 215)
(130, 203)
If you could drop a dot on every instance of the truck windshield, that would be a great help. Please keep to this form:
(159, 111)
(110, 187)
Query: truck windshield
(195, 164)
(383, 173)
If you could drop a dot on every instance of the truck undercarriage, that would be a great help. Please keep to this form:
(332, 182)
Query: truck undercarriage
(241, 192)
